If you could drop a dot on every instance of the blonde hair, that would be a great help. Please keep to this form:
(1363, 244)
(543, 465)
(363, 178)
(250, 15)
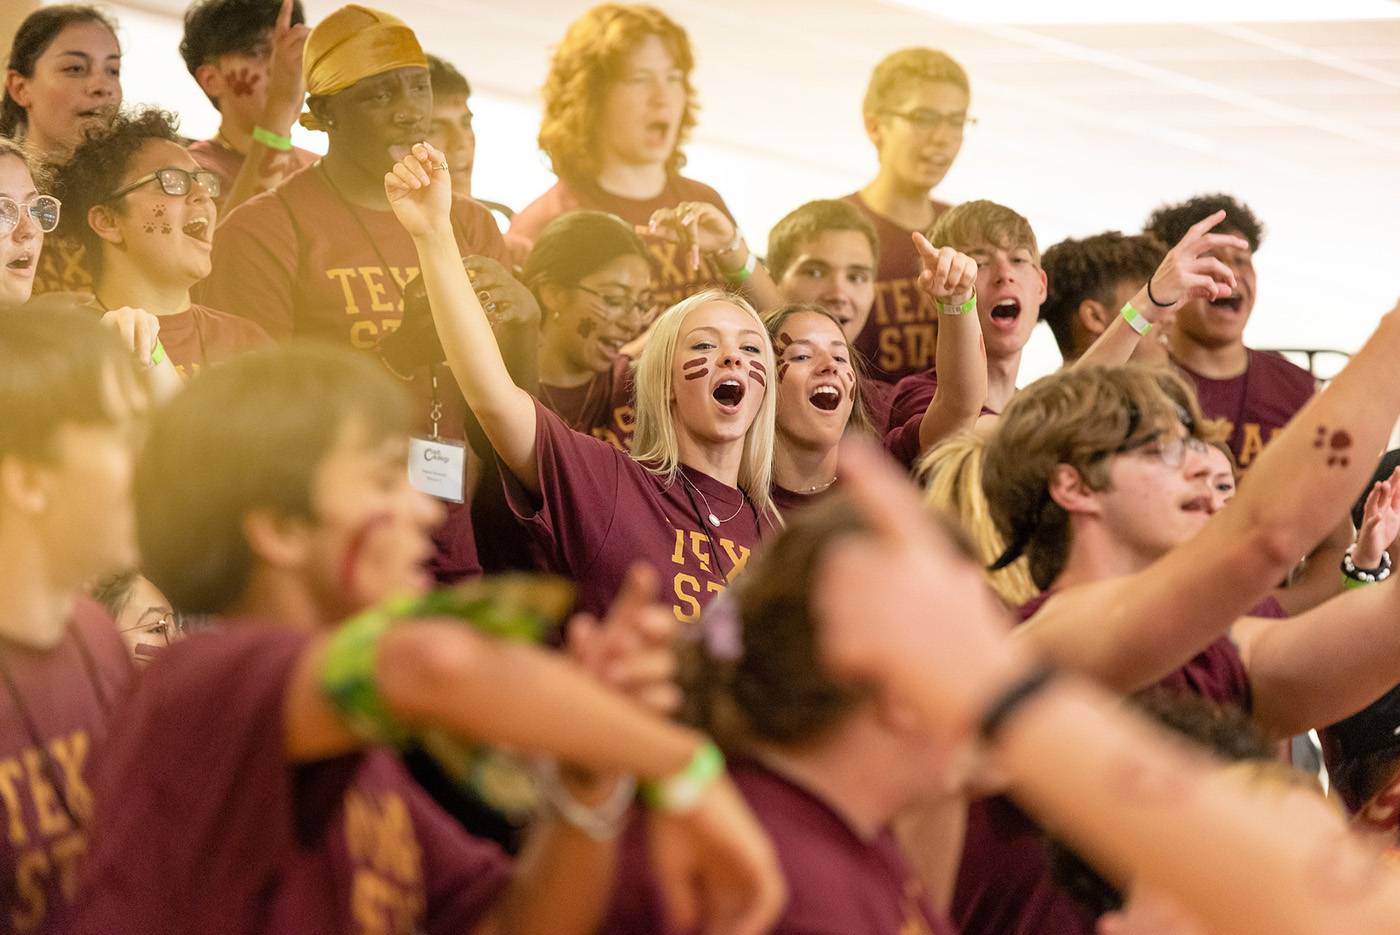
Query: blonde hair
(952, 476)
(655, 443)
(583, 68)
(898, 69)
(37, 170)
(983, 223)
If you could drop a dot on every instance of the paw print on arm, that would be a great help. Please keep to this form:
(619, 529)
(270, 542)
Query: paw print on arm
(1337, 444)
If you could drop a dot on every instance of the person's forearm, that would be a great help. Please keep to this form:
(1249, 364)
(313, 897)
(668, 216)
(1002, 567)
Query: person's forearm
(1113, 348)
(761, 290)
(961, 365)
(1320, 578)
(518, 696)
(1140, 805)
(562, 884)
(1315, 669)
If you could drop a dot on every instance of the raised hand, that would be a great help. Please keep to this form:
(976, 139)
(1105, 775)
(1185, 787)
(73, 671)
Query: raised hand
(286, 87)
(904, 606)
(696, 224)
(633, 650)
(1187, 273)
(716, 866)
(949, 277)
(1380, 524)
(503, 298)
(419, 190)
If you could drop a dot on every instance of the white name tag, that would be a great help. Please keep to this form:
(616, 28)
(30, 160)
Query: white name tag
(437, 467)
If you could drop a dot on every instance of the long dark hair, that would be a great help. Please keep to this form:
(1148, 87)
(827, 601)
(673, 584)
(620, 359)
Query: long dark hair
(576, 244)
(35, 35)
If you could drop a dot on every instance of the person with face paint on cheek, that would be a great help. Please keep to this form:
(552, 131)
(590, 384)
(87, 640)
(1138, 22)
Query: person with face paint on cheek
(694, 498)
(63, 79)
(144, 211)
(321, 255)
(276, 787)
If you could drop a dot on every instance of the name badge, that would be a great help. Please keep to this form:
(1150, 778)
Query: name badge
(437, 467)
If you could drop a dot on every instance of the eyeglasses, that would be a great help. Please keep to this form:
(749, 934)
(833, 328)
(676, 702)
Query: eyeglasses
(1170, 450)
(619, 304)
(930, 120)
(174, 181)
(170, 626)
(42, 210)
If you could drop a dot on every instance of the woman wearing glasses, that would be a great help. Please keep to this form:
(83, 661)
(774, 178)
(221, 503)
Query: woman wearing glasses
(144, 212)
(25, 217)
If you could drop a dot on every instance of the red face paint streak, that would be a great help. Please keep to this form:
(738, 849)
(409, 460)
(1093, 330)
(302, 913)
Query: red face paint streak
(756, 374)
(784, 339)
(358, 540)
(243, 82)
(585, 327)
(782, 371)
(697, 362)
(697, 374)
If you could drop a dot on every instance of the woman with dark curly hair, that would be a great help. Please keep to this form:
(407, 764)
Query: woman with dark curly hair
(143, 211)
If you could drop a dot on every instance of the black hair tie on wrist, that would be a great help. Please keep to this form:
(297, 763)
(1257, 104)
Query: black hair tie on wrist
(1153, 299)
(1013, 697)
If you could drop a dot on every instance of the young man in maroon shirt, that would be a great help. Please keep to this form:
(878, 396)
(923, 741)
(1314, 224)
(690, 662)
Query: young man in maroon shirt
(147, 246)
(249, 787)
(1099, 477)
(915, 111)
(1257, 392)
(246, 56)
(66, 449)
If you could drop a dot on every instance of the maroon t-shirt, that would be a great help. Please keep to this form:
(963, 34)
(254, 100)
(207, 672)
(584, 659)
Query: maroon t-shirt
(878, 398)
(907, 407)
(226, 163)
(1257, 403)
(899, 338)
(838, 883)
(202, 825)
(604, 407)
(600, 511)
(67, 694)
(672, 277)
(200, 336)
(1005, 885)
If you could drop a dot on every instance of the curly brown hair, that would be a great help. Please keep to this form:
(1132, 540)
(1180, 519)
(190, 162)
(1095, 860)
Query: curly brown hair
(1091, 268)
(97, 168)
(585, 64)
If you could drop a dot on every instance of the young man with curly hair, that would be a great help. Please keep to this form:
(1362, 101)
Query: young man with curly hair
(1257, 392)
(1088, 282)
(144, 212)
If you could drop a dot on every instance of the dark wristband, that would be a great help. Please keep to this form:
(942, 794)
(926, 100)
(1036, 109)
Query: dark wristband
(1153, 299)
(1013, 697)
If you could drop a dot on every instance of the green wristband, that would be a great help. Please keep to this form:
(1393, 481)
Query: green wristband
(1350, 584)
(271, 140)
(966, 308)
(1135, 320)
(682, 792)
(349, 679)
(743, 272)
(158, 355)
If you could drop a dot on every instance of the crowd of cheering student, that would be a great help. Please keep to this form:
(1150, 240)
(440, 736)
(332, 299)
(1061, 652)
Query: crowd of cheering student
(369, 569)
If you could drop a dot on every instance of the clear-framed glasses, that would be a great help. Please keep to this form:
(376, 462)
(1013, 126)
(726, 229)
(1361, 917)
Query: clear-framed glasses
(169, 626)
(930, 120)
(1170, 450)
(174, 181)
(620, 304)
(42, 210)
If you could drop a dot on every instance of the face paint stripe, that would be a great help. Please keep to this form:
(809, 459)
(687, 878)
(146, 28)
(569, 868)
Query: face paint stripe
(698, 374)
(690, 364)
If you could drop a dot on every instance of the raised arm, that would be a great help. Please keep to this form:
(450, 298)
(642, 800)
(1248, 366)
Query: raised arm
(1131, 631)
(960, 359)
(705, 230)
(1126, 794)
(420, 193)
(1187, 272)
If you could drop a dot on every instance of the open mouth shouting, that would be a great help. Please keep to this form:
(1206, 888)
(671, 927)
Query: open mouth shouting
(1231, 303)
(1006, 313)
(199, 229)
(1197, 505)
(729, 393)
(23, 263)
(826, 397)
(657, 132)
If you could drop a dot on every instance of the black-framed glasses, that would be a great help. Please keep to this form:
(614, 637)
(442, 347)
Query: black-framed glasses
(621, 304)
(42, 210)
(174, 181)
(930, 120)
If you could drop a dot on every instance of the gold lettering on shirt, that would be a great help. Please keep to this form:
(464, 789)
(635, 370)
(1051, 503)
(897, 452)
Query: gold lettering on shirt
(342, 275)
(387, 895)
(1251, 443)
(687, 588)
(10, 774)
(377, 290)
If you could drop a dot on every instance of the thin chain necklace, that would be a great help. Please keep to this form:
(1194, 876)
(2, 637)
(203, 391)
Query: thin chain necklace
(818, 488)
(714, 520)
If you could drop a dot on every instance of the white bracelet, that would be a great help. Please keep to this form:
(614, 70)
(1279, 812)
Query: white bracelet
(603, 822)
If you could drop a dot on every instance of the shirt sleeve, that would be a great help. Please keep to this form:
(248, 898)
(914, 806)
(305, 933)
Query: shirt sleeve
(903, 442)
(254, 267)
(579, 478)
(911, 397)
(477, 232)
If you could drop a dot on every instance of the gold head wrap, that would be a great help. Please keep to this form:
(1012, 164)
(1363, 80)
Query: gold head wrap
(354, 43)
